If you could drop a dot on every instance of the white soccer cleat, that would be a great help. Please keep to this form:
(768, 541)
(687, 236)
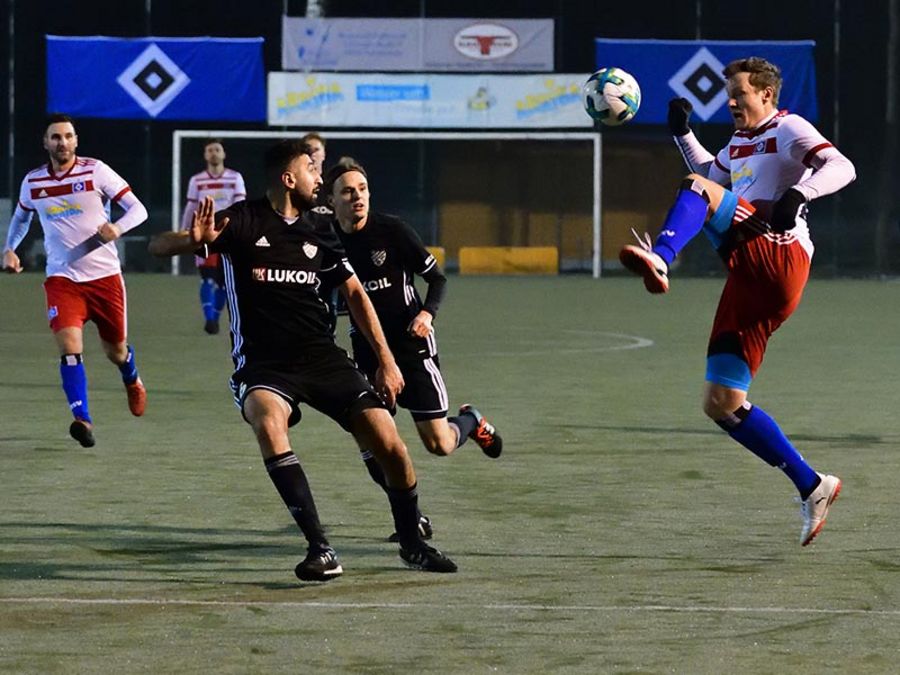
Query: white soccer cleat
(645, 263)
(814, 509)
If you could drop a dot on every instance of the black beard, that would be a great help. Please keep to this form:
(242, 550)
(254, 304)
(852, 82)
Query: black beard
(301, 202)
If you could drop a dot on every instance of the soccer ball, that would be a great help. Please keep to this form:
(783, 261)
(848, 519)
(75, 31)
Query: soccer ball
(611, 96)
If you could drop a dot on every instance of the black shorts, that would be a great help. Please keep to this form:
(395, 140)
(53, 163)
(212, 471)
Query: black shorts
(424, 393)
(325, 380)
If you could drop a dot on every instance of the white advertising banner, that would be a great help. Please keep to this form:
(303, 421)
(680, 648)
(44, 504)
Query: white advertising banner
(417, 44)
(427, 101)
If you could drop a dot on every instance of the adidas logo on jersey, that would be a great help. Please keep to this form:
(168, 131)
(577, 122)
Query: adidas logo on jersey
(263, 242)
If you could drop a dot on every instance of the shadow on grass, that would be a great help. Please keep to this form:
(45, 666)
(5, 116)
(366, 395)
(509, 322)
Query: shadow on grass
(850, 440)
(145, 553)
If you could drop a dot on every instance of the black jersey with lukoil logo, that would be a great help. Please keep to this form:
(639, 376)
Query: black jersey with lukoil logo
(386, 255)
(273, 271)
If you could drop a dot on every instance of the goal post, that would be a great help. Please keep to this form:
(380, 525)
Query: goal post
(354, 139)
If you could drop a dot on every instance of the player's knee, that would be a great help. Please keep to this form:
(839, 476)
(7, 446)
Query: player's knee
(268, 427)
(719, 403)
(440, 446)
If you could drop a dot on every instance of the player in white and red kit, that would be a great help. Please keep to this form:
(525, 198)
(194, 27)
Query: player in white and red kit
(72, 197)
(775, 163)
(225, 186)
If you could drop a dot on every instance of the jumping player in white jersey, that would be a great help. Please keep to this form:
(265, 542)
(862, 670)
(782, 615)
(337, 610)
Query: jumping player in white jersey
(72, 196)
(775, 163)
(225, 186)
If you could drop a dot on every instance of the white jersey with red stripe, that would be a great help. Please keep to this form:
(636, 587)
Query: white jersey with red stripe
(71, 207)
(784, 151)
(225, 189)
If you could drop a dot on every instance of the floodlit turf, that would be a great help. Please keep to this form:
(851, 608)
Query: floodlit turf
(619, 532)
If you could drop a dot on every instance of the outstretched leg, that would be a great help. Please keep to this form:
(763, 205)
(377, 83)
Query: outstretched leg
(700, 202)
(374, 429)
(268, 415)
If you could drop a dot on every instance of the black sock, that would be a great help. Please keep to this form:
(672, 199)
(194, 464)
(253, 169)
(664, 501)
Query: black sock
(374, 468)
(290, 481)
(377, 474)
(405, 508)
(465, 424)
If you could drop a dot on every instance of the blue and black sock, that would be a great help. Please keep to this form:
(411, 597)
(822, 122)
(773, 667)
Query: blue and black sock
(129, 367)
(208, 290)
(750, 426)
(684, 220)
(74, 384)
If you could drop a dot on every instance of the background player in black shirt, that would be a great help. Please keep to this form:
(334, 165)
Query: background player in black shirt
(387, 254)
(274, 260)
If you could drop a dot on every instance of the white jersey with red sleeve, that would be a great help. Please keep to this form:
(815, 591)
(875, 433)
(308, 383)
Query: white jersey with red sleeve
(785, 151)
(71, 207)
(225, 189)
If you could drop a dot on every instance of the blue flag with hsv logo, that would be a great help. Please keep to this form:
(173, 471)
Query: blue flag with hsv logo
(156, 78)
(692, 69)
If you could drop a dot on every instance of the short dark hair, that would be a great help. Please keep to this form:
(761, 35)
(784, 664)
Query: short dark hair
(344, 165)
(58, 118)
(279, 157)
(762, 73)
(210, 141)
(313, 136)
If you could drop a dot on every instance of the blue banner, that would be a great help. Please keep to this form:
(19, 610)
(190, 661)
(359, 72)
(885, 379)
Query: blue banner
(156, 78)
(692, 69)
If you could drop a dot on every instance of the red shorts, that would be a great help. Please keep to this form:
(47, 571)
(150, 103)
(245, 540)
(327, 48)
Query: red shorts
(70, 304)
(212, 260)
(764, 286)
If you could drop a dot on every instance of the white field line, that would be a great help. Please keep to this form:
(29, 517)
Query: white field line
(573, 609)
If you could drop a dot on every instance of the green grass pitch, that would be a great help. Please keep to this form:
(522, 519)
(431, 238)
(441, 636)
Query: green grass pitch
(620, 531)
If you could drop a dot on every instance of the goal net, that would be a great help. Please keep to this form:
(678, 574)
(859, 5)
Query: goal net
(455, 188)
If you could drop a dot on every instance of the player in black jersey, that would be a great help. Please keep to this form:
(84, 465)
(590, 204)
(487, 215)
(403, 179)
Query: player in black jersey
(284, 352)
(387, 254)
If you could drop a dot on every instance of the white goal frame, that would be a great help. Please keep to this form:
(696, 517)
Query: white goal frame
(594, 137)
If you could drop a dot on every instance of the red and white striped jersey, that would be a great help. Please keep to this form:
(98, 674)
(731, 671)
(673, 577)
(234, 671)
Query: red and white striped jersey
(225, 189)
(785, 151)
(71, 207)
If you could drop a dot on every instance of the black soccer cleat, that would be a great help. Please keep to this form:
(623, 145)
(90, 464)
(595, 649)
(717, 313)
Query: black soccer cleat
(211, 326)
(82, 432)
(484, 434)
(428, 559)
(320, 564)
(426, 531)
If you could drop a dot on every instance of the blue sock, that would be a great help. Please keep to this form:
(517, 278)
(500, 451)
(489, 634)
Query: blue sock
(760, 434)
(219, 303)
(208, 299)
(129, 368)
(684, 220)
(74, 383)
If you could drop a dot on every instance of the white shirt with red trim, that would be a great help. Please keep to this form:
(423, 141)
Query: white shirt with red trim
(225, 189)
(71, 207)
(785, 151)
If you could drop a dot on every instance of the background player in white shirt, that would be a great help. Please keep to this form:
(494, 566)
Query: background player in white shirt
(72, 197)
(773, 166)
(225, 186)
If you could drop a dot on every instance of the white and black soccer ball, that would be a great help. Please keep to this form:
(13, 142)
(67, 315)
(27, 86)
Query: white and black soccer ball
(611, 96)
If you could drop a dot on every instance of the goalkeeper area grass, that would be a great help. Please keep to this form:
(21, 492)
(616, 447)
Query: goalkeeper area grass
(621, 530)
